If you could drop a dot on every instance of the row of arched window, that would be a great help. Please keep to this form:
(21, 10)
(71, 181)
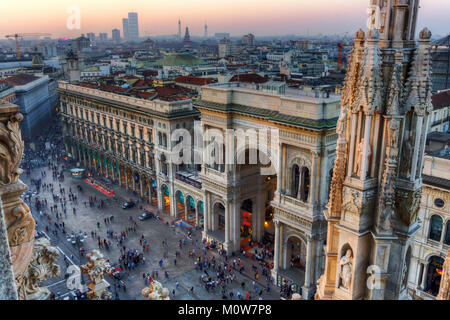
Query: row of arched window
(436, 228)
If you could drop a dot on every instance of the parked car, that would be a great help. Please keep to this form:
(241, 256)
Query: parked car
(146, 215)
(128, 205)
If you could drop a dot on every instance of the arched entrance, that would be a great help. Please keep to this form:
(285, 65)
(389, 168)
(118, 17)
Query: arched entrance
(180, 204)
(434, 273)
(295, 253)
(166, 198)
(191, 211)
(153, 193)
(258, 184)
(219, 217)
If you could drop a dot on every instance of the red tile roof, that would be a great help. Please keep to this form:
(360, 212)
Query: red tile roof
(21, 79)
(149, 73)
(194, 80)
(441, 99)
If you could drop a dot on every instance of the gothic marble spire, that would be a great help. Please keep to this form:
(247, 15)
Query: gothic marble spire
(376, 186)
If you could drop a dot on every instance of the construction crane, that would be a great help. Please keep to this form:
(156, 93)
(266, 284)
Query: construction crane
(340, 46)
(18, 36)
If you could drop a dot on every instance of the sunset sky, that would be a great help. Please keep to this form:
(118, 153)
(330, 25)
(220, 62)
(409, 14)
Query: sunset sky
(261, 17)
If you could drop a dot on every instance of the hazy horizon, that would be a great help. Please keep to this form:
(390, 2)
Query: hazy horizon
(237, 17)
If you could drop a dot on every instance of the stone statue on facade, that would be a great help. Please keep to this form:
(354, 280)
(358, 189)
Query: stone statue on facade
(444, 290)
(341, 123)
(42, 266)
(96, 269)
(406, 158)
(360, 157)
(155, 291)
(346, 269)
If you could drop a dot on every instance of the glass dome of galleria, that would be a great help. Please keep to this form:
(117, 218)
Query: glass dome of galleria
(180, 59)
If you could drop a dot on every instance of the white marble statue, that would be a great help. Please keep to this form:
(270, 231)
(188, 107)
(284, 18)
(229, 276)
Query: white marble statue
(346, 269)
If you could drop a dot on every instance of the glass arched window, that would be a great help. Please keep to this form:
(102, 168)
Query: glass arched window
(295, 180)
(304, 191)
(435, 228)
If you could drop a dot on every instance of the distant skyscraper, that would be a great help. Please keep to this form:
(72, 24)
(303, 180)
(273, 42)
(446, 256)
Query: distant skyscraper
(116, 35)
(133, 26)
(248, 40)
(103, 37)
(206, 30)
(91, 36)
(125, 29)
(179, 29)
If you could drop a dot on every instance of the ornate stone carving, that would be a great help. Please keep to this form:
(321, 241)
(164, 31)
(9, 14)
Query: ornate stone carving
(351, 201)
(346, 267)
(407, 205)
(42, 266)
(96, 269)
(155, 291)
(11, 149)
(425, 34)
(19, 222)
(444, 290)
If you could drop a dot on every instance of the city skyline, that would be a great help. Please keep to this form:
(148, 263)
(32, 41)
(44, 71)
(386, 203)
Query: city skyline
(262, 18)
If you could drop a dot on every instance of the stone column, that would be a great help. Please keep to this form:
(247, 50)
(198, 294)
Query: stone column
(416, 148)
(313, 178)
(120, 175)
(424, 276)
(159, 194)
(227, 223)
(308, 270)
(173, 200)
(206, 213)
(141, 186)
(276, 254)
(125, 172)
(280, 169)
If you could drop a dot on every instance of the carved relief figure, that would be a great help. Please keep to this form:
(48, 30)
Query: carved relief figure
(394, 125)
(346, 269)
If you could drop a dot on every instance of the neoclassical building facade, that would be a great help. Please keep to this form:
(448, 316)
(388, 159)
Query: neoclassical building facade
(127, 140)
(285, 204)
